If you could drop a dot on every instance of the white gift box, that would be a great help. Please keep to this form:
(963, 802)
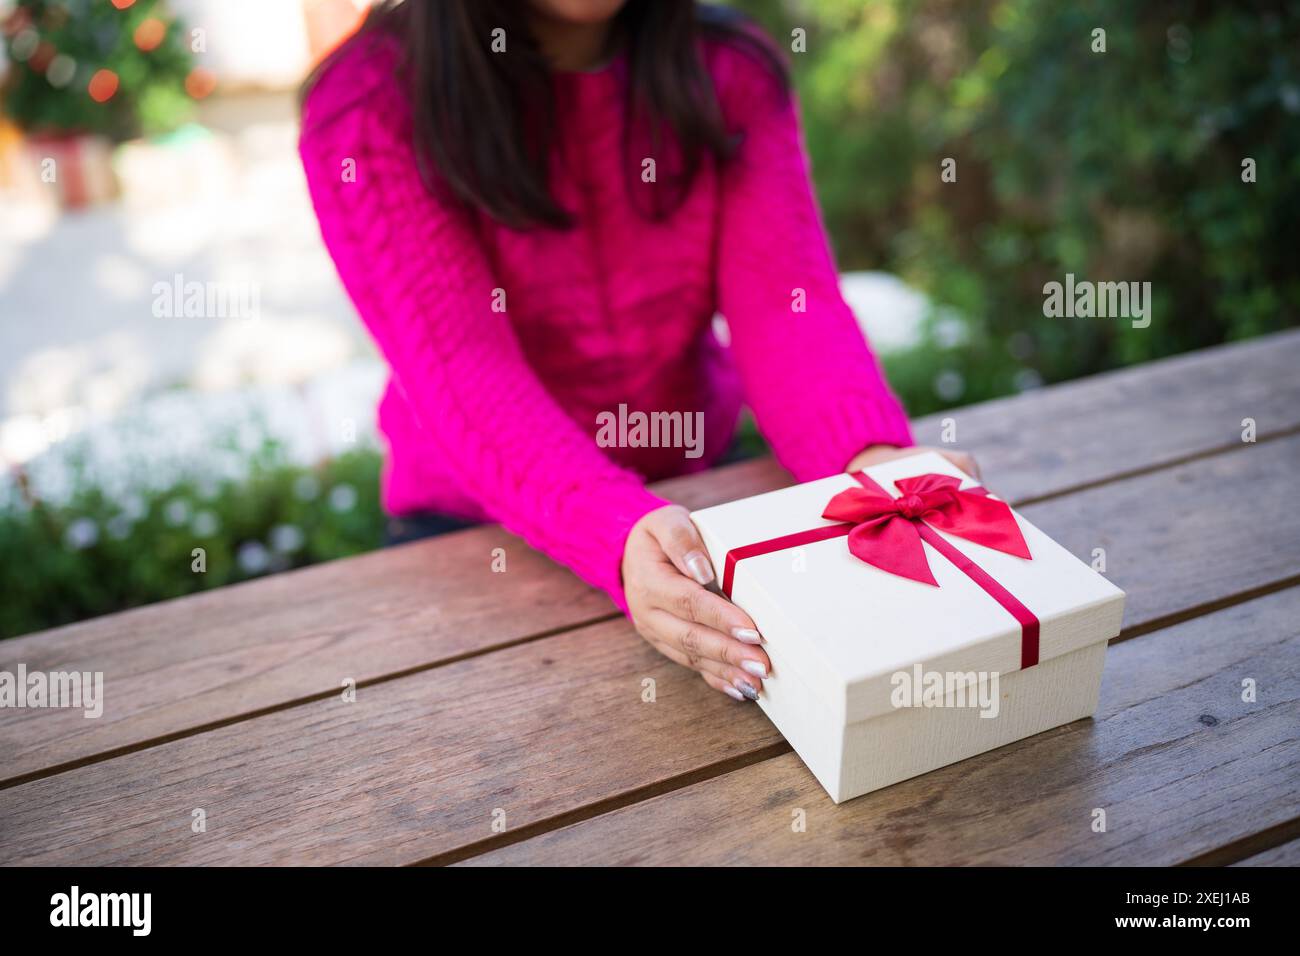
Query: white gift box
(877, 677)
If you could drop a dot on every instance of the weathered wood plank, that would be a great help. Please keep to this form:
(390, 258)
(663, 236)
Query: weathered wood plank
(237, 651)
(1288, 854)
(1177, 761)
(416, 767)
(1069, 436)
(1211, 528)
(225, 655)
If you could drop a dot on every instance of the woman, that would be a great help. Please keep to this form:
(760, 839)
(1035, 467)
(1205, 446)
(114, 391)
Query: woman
(537, 207)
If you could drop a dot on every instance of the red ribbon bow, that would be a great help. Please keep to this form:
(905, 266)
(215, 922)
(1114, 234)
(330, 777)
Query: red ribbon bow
(887, 531)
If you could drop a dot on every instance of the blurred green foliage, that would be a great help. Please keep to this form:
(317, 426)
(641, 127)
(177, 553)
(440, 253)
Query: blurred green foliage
(1117, 166)
(46, 38)
(97, 553)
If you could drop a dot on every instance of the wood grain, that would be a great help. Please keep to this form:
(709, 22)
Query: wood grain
(238, 651)
(415, 766)
(1129, 421)
(1288, 854)
(555, 727)
(1177, 761)
(1182, 540)
(226, 655)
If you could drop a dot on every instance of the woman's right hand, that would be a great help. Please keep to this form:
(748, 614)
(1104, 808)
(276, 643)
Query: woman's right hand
(665, 570)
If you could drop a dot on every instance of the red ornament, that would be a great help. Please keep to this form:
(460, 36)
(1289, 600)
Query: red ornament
(102, 86)
(200, 83)
(149, 34)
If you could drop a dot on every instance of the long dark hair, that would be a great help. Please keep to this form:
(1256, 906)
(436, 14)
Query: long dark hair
(484, 122)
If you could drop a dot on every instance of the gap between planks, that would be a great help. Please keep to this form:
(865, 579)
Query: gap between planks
(1246, 847)
(608, 805)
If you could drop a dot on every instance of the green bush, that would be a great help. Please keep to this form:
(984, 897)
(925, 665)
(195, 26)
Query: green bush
(96, 553)
(46, 38)
(1117, 166)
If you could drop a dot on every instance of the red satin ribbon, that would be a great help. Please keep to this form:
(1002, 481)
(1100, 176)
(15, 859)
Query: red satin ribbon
(887, 532)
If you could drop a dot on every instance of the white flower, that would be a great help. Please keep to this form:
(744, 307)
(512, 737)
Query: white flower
(205, 523)
(119, 527)
(134, 508)
(81, 534)
(306, 487)
(176, 512)
(949, 332)
(949, 385)
(208, 489)
(343, 497)
(286, 538)
(1289, 94)
(1026, 379)
(252, 557)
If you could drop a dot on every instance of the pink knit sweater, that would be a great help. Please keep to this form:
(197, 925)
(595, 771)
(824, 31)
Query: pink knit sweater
(492, 414)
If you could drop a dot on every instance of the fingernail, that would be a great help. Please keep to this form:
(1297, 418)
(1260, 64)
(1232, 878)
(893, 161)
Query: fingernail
(754, 667)
(747, 689)
(732, 692)
(747, 634)
(698, 564)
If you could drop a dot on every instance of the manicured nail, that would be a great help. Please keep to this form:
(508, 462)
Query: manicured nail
(697, 562)
(732, 692)
(747, 634)
(746, 688)
(754, 667)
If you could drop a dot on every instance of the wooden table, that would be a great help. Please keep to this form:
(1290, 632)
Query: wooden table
(498, 717)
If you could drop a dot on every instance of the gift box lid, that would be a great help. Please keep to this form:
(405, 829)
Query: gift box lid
(845, 627)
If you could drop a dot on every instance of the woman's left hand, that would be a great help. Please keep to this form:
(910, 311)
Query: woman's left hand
(877, 454)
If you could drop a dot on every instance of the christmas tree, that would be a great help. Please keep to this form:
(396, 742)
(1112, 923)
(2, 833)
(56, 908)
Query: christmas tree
(115, 67)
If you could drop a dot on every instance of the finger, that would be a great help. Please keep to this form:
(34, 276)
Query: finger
(747, 686)
(965, 462)
(681, 543)
(672, 653)
(718, 684)
(703, 644)
(744, 684)
(691, 602)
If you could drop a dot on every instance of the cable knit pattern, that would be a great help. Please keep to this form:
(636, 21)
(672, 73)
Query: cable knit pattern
(493, 414)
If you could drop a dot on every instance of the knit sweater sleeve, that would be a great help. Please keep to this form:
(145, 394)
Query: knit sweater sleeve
(816, 389)
(423, 285)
